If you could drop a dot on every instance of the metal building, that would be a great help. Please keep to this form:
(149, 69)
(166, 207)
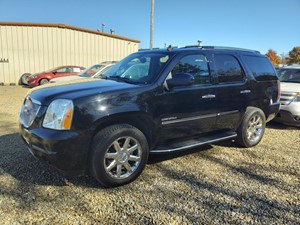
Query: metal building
(35, 47)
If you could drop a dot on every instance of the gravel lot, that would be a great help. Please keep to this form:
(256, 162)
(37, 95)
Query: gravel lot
(215, 184)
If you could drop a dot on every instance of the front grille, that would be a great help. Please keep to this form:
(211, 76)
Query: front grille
(29, 111)
(287, 97)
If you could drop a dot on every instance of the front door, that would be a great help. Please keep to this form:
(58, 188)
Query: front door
(191, 110)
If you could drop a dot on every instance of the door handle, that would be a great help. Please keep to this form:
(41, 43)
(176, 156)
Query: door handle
(208, 96)
(245, 91)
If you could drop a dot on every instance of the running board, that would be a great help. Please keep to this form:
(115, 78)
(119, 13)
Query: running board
(196, 142)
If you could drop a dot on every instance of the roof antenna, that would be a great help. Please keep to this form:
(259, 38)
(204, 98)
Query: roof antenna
(199, 43)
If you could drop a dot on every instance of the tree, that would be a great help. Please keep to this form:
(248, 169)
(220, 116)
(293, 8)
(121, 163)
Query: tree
(272, 55)
(294, 55)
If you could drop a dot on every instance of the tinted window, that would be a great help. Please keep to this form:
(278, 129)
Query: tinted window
(195, 65)
(261, 68)
(228, 69)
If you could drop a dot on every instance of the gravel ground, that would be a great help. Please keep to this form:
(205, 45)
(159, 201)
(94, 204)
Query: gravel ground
(215, 184)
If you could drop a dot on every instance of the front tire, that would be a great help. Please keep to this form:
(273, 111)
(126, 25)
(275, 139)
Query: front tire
(44, 81)
(119, 155)
(252, 128)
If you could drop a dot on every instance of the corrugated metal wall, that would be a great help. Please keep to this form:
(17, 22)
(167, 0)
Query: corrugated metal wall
(37, 48)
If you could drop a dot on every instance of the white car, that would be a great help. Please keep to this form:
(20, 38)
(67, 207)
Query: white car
(290, 95)
(93, 71)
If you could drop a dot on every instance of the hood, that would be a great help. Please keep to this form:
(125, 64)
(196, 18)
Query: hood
(36, 74)
(289, 87)
(66, 78)
(77, 89)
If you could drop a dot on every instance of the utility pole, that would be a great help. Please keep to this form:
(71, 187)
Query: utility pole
(151, 24)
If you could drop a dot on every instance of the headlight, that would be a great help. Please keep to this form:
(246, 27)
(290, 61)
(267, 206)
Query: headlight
(297, 98)
(59, 115)
(29, 111)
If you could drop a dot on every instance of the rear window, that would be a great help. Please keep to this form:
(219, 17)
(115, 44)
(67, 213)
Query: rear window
(261, 68)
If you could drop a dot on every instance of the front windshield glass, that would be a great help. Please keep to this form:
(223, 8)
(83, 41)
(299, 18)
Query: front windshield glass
(289, 75)
(91, 71)
(138, 68)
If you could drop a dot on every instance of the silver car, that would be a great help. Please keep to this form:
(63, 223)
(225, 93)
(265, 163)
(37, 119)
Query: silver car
(289, 113)
(93, 71)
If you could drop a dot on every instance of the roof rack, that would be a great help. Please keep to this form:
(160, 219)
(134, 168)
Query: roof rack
(222, 48)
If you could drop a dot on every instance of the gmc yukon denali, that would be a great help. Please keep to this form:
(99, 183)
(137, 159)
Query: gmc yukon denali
(151, 102)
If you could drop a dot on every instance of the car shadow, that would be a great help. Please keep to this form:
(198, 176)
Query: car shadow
(280, 126)
(17, 161)
(157, 158)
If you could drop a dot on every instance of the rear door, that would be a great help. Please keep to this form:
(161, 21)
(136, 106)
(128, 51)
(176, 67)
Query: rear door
(233, 92)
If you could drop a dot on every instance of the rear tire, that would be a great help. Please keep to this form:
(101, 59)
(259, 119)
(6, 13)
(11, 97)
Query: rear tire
(252, 128)
(119, 155)
(23, 79)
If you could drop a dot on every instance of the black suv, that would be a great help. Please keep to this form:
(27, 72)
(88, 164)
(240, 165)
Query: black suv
(154, 101)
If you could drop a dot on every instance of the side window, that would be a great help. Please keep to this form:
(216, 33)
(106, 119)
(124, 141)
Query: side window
(195, 65)
(228, 69)
(260, 67)
(64, 70)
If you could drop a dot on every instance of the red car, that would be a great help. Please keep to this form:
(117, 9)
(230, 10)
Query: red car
(61, 71)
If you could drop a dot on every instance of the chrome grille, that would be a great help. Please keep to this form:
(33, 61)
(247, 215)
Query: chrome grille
(287, 97)
(29, 111)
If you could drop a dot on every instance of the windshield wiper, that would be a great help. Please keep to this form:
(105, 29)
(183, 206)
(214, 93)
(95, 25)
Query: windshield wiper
(119, 78)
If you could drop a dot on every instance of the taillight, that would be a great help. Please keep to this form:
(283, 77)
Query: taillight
(278, 95)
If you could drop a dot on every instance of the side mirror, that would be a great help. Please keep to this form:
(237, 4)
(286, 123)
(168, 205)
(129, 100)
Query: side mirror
(54, 72)
(181, 80)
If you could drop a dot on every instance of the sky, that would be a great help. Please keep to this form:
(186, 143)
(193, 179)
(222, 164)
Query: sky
(252, 24)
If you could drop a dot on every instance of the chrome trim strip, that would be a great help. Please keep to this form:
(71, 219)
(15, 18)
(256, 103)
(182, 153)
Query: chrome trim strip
(33, 100)
(198, 117)
(188, 119)
(192, 146)
(229, 112)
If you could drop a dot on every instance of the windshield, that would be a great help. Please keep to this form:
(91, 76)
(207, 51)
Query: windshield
(138, 68)
(289, 75)
(91, 70)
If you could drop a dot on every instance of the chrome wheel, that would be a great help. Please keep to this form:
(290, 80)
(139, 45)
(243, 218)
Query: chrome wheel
(255, 128)
(122, 157)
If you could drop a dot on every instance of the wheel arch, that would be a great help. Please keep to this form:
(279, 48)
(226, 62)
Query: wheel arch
(140, 120)
(43, 78)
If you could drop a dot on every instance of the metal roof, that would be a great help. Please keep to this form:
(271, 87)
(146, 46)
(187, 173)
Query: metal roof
(64, 26)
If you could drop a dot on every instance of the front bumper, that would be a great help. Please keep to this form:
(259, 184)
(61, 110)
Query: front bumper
(65, 150)
(272, 111)
(32, 82)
